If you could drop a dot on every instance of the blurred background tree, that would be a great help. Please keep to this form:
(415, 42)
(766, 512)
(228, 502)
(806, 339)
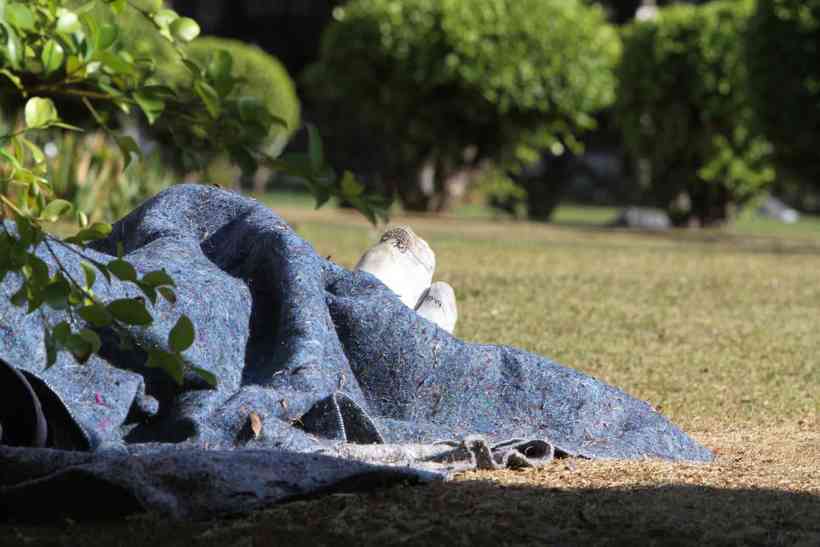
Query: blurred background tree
(685, 112)
(447, 86)
(783, 45)
(597, 161)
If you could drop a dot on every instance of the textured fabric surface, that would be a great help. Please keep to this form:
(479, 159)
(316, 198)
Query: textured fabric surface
(315, 355)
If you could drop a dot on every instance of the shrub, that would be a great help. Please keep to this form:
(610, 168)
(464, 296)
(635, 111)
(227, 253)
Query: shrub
(445, 84)
(783, 44)
(684, 109)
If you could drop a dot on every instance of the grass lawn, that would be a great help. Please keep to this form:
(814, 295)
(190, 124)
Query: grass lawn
(720, 330)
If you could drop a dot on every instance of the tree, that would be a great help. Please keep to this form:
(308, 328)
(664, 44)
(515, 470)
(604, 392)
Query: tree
(445, 86)
(53, 52)
(783, 45)
(685, 112)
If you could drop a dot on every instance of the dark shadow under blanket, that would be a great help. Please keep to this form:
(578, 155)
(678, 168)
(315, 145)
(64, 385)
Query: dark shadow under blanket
(314, 362)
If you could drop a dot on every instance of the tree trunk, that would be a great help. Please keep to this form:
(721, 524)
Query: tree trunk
(712, 205)
(545, 183)
(436, 189)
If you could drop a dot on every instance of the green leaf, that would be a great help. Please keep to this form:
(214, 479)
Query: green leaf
(20, 297)
(164, 17)
(98, 230)
(151, 104)
(161, 91)
(117, 6)
(15, 79)
(96, 315)
(79, 348)
(209, 377)
(149, 291)
(51, 349)
(220, 66)
(55, 295)
(18, 15)
(52, 56)
(36, 154)
(244, 159)
(249, 108)
(14, 52)
(89, 272)
(181, 336)
(61, 332)
(184, 29)
(67, 126)
(158, 278)
(102, 268)
(123, 270)
(116, 63)
(322, 196)
(168, 294)
(92, 338)
(128, 147)
(55, 209)
(193, 67)
(40, 112)
(25, 231)
(315, 148)
(11, 159)
(153, 6)
(106, 36)
(209, 97)
(130, 311)
(170, 363)
(67, 22)
(350, 186)
(85, 8)
(76, 297)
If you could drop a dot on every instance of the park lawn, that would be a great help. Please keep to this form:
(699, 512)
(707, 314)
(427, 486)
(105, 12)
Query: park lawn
(718, 329)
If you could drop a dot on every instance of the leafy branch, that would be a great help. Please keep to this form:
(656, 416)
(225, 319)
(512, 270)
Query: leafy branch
(51, 51)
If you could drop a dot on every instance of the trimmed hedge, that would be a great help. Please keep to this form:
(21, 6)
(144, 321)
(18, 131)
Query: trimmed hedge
(449, 83)
(263, 76)
(685, 112)
(783, 45)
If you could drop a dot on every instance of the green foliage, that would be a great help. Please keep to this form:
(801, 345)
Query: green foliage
(684, 108)
(58, 50)
(783, 43)
(261, 74)
(451, 83)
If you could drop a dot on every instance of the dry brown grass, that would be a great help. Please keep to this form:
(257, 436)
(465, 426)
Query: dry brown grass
(721, 331)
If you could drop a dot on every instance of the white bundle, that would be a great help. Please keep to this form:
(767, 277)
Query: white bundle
(405, 263)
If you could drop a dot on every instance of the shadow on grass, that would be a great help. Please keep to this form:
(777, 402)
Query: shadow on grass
(478, 513)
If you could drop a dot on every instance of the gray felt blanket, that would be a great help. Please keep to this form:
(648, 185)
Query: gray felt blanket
(326, 380)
